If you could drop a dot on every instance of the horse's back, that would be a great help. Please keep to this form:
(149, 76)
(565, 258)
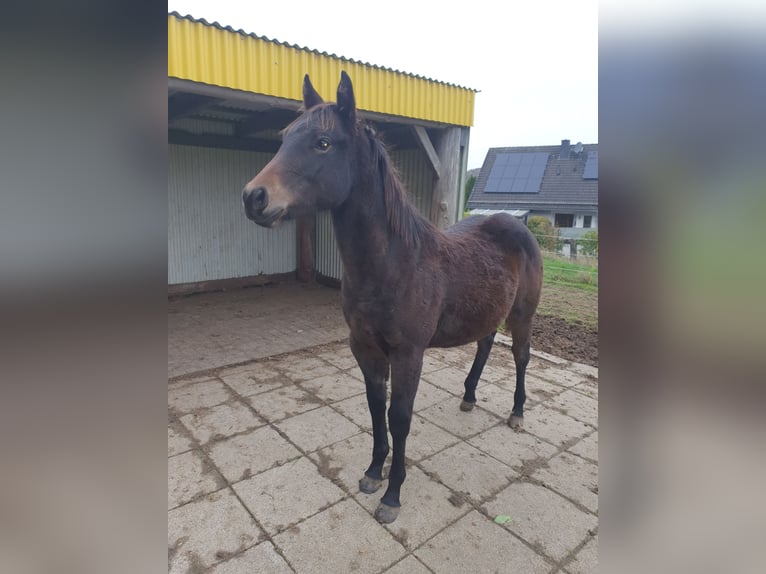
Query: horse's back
(501, 229)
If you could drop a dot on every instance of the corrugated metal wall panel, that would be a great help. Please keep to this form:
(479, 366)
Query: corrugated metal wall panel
(209, 54)
(418, 178)
(209, 236)
(328, 261)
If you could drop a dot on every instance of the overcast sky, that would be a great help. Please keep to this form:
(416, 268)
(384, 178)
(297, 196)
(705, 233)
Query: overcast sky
(535, 63)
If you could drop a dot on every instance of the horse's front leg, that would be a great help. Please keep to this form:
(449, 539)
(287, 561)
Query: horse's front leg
(374, 366)
(405, 376)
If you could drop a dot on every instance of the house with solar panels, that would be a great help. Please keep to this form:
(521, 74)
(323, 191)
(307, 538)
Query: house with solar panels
(558, 182)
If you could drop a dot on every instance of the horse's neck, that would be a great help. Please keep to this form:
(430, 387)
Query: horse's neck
(363, 235)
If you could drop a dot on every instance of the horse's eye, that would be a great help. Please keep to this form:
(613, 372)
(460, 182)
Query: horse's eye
(323, 144)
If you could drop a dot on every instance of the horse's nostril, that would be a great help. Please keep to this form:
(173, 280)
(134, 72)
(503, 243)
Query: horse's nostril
(254, 199)
(259, 197)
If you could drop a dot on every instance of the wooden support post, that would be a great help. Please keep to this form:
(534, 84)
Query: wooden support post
(446, 197)
(306, 231)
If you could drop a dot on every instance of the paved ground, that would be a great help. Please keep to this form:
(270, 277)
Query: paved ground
(264, 460)
(218, 329)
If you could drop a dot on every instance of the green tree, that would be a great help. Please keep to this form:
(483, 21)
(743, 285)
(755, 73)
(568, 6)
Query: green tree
(469, 183)
(589, 243)
(547, 236)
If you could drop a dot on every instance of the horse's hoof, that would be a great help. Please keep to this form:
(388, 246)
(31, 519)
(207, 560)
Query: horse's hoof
(516, 422)
(465, 406)
(369, 485)
(386, 514)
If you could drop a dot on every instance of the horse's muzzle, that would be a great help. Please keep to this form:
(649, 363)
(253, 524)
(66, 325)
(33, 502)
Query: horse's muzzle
(256, 203)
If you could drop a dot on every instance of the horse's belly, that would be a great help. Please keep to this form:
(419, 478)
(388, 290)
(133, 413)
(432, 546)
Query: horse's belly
(460, 328)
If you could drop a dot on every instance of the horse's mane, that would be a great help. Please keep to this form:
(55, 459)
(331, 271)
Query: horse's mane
(403, 219)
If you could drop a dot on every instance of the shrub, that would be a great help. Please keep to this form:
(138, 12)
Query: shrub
(547, 236)
(589, 243)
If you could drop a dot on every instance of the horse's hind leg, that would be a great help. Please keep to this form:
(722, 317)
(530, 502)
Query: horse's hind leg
(520, 327)
(484, 347)
(375, 368)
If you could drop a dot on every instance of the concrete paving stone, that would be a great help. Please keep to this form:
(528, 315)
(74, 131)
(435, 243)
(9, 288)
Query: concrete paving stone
(537, 390)
(343, 538)
(192, 380)
(190, 475)
(476, 544)
(430, 364)
(340, 357)
(560, 375)
(427, 507)
(317, 428)
(493, 374)
(572, 476)
(200, 532)
(428, 395)
(588, 387)
(451, 379)
(220, 421)
(543, 518)
(186, 398)
(306, 368)
(177, 441)
(577, 406)
(495, 399)
(448, 415)
(256, 379)
(586, 560)
(335, 387)
(548, 357)
(284, 402)
(286, 494)
(357, 410)
(454, 355)
(245, 455)
(410, 565)
(516, 449)
(587, 370)
(551, 425)
(469, 471)
(425, 439)
(346, 461)
(260, 558)
(587, 447)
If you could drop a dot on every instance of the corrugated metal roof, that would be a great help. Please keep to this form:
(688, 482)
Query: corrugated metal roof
(219, 55)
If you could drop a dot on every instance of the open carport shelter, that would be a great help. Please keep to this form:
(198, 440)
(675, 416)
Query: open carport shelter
(230, 93)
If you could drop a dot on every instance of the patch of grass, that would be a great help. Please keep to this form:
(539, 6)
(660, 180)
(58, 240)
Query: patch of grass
(574, 305)
(565, 272)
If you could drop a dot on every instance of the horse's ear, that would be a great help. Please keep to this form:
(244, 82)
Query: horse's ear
(346, 102)
(310, 96)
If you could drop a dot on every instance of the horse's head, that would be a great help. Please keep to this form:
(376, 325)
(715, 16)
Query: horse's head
(313, 168)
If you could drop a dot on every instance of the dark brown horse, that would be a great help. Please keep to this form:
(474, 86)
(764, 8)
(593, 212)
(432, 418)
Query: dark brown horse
(406, 285)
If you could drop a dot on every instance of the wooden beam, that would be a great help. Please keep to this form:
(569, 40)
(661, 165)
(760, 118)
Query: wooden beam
(421, 136)
(181, 137)
(180, 105)
(261, 121)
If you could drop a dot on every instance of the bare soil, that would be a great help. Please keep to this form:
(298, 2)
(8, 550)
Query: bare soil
(575, 342)
(566, 324)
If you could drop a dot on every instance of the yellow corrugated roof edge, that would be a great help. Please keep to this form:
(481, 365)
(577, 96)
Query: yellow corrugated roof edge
(433, 100)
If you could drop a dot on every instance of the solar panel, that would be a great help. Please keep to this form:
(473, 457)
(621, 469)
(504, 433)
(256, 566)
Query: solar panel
(516, 172)
(591, 166)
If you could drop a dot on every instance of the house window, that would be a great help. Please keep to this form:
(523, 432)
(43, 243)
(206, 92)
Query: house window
(564, 220)
(586, 221)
